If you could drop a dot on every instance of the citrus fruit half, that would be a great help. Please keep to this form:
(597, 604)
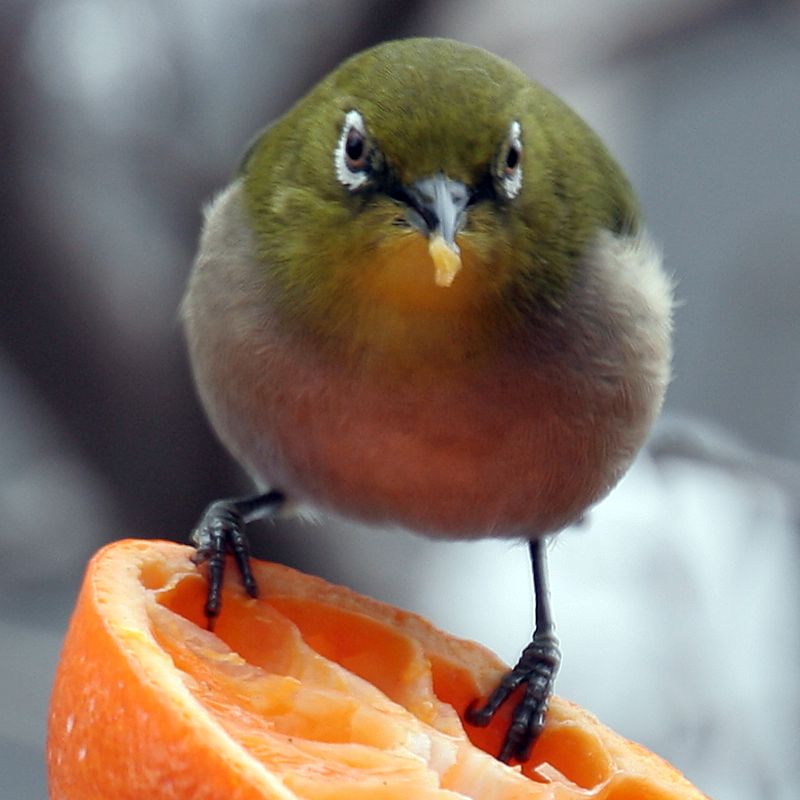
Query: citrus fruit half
(310, 691)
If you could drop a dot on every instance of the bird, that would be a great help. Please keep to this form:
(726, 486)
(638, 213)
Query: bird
(427, 300)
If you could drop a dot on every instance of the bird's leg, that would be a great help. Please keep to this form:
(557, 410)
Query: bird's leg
(221, 530)
(536, 668)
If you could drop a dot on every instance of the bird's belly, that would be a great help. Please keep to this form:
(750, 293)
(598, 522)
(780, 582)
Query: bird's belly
(460, 453)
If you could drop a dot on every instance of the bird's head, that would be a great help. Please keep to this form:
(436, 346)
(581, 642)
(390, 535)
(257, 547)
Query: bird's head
(429, 179)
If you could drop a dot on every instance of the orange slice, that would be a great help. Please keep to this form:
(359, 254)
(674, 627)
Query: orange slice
(311, 691)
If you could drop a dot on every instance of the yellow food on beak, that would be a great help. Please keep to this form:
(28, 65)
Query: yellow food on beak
(446, 260)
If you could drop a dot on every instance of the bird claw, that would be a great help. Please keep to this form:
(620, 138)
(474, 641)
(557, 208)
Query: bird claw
(219, 532)
(536, 668)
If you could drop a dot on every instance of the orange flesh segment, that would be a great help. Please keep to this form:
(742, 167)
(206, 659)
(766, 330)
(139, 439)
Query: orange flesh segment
(313, 691)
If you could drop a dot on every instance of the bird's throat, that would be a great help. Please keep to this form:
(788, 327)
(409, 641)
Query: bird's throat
(400, 309)
(401, 273)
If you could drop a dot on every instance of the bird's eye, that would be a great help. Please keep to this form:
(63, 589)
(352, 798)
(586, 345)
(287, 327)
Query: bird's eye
(355, 150)
(351, 158)
(512, 159)
(509, 173)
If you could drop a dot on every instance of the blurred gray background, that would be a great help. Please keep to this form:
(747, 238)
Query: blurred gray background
(677, 602)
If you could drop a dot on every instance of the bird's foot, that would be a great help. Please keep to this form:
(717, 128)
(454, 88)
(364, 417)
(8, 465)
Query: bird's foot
(221, 530)
(536, 668)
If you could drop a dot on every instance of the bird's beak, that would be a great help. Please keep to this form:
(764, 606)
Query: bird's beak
(436, 206)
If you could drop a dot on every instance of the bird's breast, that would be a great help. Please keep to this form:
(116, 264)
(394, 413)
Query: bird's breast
(508, 450)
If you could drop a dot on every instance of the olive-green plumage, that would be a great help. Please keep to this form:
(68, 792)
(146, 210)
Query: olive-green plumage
(432, 106)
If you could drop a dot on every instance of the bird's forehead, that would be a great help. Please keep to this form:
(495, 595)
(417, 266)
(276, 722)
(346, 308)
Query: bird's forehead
(430, 137)
(434, 112)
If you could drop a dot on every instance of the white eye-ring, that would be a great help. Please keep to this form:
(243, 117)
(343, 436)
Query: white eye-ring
(351, 155)
(509, 168)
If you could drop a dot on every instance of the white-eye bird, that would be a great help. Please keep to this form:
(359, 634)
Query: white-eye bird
(427, 300)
